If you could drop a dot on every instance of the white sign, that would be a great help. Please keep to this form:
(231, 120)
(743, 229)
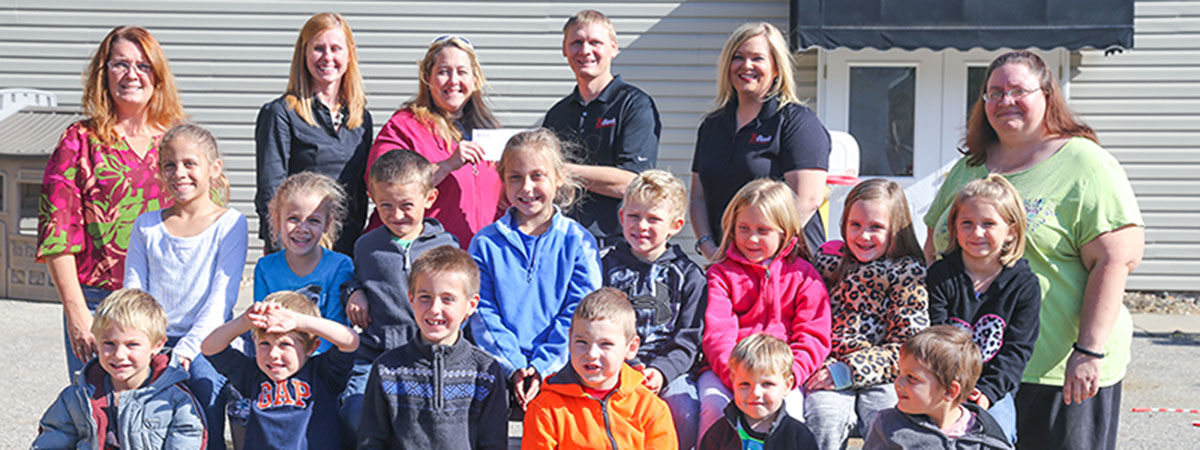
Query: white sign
(493, 140)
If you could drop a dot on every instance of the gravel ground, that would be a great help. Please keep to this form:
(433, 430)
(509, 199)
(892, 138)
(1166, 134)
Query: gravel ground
(1179, 303)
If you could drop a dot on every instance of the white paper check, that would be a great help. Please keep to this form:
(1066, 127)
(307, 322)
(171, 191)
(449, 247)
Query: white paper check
(493, 140)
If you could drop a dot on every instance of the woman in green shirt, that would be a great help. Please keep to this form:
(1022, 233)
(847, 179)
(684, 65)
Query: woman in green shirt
(1085, 235)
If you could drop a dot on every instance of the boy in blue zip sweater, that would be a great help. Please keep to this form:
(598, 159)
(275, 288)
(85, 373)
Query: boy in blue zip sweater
(667, 291)
(401, 185)
(438, 391)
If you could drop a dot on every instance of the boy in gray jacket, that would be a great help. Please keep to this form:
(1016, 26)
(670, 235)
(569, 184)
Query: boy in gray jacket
(938, 369)
(130, 396)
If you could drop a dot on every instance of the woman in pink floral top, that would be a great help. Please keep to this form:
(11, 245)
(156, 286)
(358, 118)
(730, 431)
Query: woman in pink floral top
(103, 175)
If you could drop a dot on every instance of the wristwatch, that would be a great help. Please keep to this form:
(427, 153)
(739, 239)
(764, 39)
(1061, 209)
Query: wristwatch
(701, 241)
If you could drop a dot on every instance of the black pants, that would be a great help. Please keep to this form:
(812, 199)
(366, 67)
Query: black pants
(1045, 422)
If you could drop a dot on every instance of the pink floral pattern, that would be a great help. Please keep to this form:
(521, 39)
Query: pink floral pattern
(91, 194)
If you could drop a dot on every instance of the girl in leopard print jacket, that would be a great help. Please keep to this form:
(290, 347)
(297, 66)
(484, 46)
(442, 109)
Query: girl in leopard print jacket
(876, 282)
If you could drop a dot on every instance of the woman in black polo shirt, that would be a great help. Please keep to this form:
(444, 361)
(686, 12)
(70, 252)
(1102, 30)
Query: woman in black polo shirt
(320, 124)
(759, 130)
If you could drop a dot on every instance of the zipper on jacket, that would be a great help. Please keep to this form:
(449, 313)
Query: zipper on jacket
(439, 361)
(529, 269)
(607, 423)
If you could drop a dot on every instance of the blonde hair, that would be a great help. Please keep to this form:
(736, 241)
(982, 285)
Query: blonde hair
(777, 201)
(610, 304)
(589, 17)
(763, 354)
(475, 113)
(784, 85)
(997, 190)
(661, 188)
(164, 108)
(446, 260)
(299, 95)
(950, 354)
(902, 241)
(198, 136)
(299, 303)
(551, 150)
(333, 200)
(131, 309)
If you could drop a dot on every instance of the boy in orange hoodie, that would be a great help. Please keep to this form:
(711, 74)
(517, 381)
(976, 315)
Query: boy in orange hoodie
(598, 395)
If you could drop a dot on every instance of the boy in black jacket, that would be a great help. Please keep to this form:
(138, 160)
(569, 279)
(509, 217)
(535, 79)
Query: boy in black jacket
(667, 291)
(761, 365)
(438, 391)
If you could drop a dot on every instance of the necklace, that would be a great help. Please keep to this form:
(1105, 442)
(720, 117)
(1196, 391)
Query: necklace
(981, 284)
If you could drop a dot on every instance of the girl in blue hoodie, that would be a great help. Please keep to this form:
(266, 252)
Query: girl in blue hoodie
(536, 265)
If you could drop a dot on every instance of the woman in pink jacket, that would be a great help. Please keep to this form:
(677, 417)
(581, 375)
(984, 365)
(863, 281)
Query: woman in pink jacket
(761, 282)
(437, 124)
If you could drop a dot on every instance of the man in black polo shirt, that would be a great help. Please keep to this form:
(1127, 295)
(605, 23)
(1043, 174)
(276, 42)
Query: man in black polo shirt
(614, 124)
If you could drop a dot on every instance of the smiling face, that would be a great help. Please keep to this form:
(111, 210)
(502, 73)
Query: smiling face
(130, 75)
(758, 395)
(440, 304)
(281, 355)
(648, 227)
(187, 170)
(917, 389)
(1019, 118)
(756, 236)
(590, 49)
(453, 79)
(752, 71)
(598, 349)
(303, 219)
(402, 206)
(982, 231)
(868, 230)
(328, 56)
(530, 185)
(125, 354)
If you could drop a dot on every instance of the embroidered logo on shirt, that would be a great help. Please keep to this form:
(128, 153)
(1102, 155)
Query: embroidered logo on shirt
(605, 123)
(760, 139)
(273, 395)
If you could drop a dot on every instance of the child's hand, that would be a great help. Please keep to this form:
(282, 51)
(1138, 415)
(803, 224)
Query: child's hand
(820, 380)
(978, 398)
(654, 380)
(523, 393)
(275, 318)
(357, 310)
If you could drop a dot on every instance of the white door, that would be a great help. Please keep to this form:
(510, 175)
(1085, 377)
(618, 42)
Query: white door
(907, 110)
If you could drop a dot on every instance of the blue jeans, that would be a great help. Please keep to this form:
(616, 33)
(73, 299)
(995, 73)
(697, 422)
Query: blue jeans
(1005, 412)
(681, 396)
(207, 385)
(350, 411)
(92, 296)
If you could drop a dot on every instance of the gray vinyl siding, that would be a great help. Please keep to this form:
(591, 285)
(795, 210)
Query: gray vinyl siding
(230, 57)
(1145, 107)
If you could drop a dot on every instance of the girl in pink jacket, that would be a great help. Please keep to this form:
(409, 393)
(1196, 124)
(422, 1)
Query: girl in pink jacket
(761, 282)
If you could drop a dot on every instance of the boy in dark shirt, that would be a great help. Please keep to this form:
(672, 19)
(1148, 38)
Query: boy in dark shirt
(293, 395)
(667, 291)
(438, 391)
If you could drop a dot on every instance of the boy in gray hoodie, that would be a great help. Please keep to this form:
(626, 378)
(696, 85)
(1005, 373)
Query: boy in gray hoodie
(938, 370)
(130, 396)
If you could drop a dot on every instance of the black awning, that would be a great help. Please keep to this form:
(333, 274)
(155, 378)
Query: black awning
(961, 24)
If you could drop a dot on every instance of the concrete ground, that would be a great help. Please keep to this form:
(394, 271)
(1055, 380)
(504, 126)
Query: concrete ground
(1163, 374)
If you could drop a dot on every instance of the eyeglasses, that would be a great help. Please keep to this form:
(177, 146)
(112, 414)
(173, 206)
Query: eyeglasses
(1015, 94)
(123, 67)
(446, 37)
